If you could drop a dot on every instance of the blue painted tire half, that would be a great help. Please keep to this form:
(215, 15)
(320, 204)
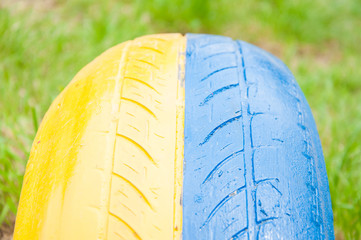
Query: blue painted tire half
(253, 163)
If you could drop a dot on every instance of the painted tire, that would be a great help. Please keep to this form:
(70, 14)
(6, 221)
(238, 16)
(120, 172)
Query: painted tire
(178, 137)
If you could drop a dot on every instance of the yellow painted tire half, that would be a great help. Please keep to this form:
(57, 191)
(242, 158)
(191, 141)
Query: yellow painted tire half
(107, 160)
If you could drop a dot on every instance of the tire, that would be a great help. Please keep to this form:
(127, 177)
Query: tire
(253, 163)
(177, 137)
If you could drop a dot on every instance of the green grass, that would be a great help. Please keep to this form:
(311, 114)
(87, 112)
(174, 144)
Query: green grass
(43, 44)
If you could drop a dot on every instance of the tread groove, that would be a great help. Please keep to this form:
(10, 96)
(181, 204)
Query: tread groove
(217, 71)
(220, 126)
(240, 233)
(221, 204)
(143, 82)
(152, 49)
(218, 91)
(139, 147)
(117, 95)
(135, 188)
(221, 163)
(211, 44)
(126, 224)
(146, 62)
(217, 54)
(248, 147)
(140, 105)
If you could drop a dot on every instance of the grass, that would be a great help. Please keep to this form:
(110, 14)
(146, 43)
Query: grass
(44, 43)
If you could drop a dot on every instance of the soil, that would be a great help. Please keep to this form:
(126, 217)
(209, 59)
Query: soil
(6, 231)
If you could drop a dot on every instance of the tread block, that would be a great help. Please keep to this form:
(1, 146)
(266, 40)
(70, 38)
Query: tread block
(268, 201)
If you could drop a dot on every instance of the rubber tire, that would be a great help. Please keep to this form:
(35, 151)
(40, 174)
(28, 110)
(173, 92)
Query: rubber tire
(253, 163)
(107, 161)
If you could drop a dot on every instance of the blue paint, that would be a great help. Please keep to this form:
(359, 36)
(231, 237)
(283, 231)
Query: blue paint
(253, 163)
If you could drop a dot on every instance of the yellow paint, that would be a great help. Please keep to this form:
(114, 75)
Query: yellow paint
(107, 160)
(178, 169)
